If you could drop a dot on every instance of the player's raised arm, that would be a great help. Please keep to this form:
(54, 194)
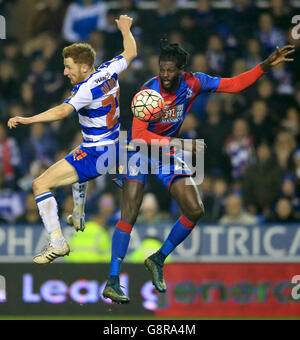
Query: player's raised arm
(51, 115)
(130, 51)
(246, 79)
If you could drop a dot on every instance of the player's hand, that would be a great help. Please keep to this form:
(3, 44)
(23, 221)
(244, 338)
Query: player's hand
(14, 122)
(278, 56)
(124, 22)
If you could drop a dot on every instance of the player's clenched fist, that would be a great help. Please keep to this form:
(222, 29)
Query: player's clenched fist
(124, 22)
(14, 122)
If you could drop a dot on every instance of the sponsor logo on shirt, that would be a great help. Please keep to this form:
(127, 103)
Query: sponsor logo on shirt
(172, 114)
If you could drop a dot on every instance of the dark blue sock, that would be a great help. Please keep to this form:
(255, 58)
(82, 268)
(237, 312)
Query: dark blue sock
(120, 242)
(181, 229)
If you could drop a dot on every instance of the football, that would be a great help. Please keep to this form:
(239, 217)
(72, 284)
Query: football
(147, 105)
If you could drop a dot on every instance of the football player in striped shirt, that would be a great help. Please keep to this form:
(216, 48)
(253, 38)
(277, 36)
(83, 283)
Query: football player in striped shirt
(95, 97)
(178, 89)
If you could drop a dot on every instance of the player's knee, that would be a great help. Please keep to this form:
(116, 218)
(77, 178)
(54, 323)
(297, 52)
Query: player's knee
(35, 186)
(38, 186)
(130, 210)
(195, 212)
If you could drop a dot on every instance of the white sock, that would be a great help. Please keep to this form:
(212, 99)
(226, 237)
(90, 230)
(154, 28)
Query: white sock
(79, 196)
(47, 206)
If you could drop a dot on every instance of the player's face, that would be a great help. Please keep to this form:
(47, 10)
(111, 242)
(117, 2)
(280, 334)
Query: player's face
(73, 71)
(169, 74)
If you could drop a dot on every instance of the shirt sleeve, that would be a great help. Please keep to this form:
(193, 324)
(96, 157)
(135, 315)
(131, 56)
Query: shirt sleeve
(240, 82)
(208, 83)
(116, 65)
(83, 97)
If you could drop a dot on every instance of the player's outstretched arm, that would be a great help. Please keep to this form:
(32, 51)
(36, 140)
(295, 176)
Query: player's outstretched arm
(130, 51)
(56, 113)
(244, 80)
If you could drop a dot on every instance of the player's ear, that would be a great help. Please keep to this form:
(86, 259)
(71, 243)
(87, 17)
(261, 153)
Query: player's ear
(85, 68)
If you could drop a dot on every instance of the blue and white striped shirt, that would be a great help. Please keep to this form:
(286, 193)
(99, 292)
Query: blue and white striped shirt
(96, 101)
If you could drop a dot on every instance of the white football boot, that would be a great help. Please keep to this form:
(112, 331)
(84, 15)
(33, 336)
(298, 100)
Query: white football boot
(77, 219)
(51, 253)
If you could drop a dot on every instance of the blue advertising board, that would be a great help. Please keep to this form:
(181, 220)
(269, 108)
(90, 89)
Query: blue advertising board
(207, 243)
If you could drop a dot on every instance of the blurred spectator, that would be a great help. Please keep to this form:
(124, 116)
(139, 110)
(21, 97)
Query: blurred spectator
(189, 127)
(83, 17)
(27, 98)
(49, 16)
(283, 212)
(39, 146)
(149, 211)
(291, 123)
(216, 55)
(47, 85)
(205, 19)
(265, 90)
(108, 210)
(261, 184)
(200, 64)
(97, 40)
(31, 214)
(260, 124)
(284, 146)
(113, 37)
(16, 109)
(187, 27)
(268, 34)
(10, 159)
(239, 148)
(289, 190)
(280, 11)
(241, 17)
(213, 195)
(296, 160)
(157, 23)
(253, 53)
(214, 130)
(93, 245)
(234, 213)
(11, 206)
(283, 77)
(9, 81)
(12, 53)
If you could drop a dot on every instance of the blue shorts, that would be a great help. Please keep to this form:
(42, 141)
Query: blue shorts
(91, 162)
(166, 172)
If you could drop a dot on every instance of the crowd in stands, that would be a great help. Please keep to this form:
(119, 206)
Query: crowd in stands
(252, 161)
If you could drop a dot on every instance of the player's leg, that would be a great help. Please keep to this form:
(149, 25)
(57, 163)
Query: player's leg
(187, 196)
(79, 190)
(59, 174)
(77, 219)
(131, 199)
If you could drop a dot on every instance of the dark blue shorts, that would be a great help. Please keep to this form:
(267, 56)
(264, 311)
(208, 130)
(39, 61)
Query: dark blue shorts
(91, 162)
(166, 172)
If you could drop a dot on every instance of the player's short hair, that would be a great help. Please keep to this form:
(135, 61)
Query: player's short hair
(81, 53)
(173, 52)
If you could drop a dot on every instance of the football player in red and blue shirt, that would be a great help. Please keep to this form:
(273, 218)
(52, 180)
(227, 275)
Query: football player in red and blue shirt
(178, 89)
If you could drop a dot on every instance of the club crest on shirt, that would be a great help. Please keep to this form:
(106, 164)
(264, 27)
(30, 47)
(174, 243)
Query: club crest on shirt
(189, 93)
